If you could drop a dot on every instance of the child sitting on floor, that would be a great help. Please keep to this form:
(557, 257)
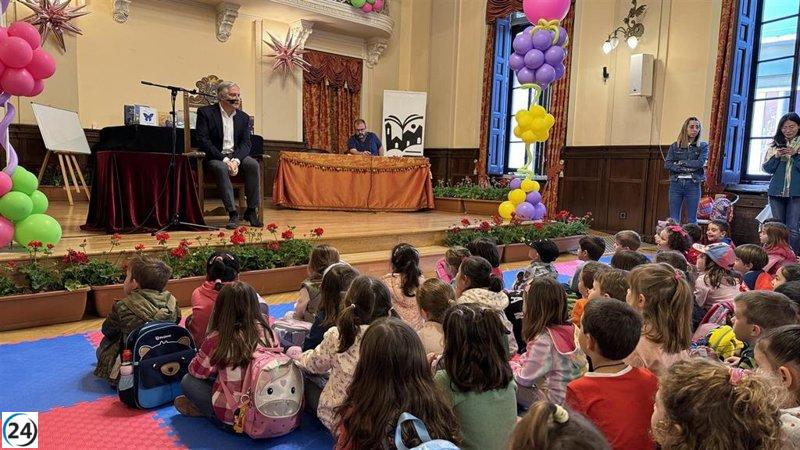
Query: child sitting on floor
(779, 353)
(145, 301)
(487, 249)
(447, 267)
(774, 236)
(628, 259)
(788, 272)
(696, 233)
(307, 303)
(717, 281)
(719, 231)
(673, 237)
(551, 426)
(611, 283)
(543, 253)
(591, 248)
(756, 313)
(678, 261)
(618, 398)
(403, 282)
(336, 280)
(586, 284)
(750, 262)
(627, 240)
(433, 298)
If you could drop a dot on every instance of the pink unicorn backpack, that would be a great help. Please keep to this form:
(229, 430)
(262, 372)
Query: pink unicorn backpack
(272, 396)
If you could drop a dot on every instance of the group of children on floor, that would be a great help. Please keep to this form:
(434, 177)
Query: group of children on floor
(633, 354)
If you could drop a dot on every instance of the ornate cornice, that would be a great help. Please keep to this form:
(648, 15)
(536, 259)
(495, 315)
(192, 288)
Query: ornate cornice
(301, 30)
(375, 48)
(226, 16)
(121, 10)
(381, 24)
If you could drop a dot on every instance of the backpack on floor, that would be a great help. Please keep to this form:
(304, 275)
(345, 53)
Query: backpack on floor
(272, 396)
(161, 353)
(422, 432)
(291, 332)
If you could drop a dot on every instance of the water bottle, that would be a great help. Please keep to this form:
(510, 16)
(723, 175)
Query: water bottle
(126, 371)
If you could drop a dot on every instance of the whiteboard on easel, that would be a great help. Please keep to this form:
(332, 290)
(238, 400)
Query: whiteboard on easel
(61, 129)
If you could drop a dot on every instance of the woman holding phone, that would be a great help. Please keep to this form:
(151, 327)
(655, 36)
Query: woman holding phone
(783, 162)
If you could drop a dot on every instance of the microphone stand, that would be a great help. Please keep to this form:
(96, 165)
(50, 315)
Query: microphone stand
(175, 220)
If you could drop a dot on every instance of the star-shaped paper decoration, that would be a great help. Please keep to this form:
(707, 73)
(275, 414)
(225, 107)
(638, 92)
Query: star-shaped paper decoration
(54, 16)
(288, 54)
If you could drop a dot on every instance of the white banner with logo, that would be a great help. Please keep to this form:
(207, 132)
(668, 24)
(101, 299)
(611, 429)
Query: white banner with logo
(404, 122)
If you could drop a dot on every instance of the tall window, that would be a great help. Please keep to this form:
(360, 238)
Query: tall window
(774, 83)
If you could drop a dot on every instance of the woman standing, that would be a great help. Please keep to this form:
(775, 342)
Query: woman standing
(783, 163)
(686, 162)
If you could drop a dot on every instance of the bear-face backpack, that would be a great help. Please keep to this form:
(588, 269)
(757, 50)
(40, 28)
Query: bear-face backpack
(272, 396)
(161, 354)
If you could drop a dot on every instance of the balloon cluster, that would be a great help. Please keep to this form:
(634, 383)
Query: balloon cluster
(539, 54)
(533, 124)
(368, 5)
(23, 208)
(524, 200)
(24, 65)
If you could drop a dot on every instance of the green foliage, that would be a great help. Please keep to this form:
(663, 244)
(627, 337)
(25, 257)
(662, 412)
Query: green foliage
(516, 232)
(473, 191)
(255, 257)
(7, 286)
(294, 252)
(42, 278)
(96, 272)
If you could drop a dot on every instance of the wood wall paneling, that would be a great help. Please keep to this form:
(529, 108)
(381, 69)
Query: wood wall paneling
(452, 164)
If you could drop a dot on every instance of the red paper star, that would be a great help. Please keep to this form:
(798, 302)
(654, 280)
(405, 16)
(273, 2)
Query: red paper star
(287, 54)
(55, 16)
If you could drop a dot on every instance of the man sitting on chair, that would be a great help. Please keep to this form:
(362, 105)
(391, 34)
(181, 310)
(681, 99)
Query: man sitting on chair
(364, 142)
(224, 134)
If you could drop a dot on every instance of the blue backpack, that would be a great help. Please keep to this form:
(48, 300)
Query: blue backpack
(422, 432)
(161, 355)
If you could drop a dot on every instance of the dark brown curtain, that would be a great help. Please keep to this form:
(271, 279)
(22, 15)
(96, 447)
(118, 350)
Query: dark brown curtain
(501, 8)
(721, 94)
(331, 99)
(486, 99)
(559, 106)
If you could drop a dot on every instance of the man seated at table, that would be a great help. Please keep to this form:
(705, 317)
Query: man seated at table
(224, 133)
(364, 142)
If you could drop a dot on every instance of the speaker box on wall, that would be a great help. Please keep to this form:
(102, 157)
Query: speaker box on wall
(641, 77)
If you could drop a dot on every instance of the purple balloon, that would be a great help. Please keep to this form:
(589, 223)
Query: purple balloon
(526, 76)
(534, 59)
(516, 61)
(542, 40)
(522, 43)
(562, 36)
(515, 183)
(533, 197)
(554, 55)
(545, 74)
(539, 211)
(525, 211)
(560, 69)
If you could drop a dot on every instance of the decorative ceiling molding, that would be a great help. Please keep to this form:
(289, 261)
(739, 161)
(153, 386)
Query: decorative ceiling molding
(226, 16)
(381, 24)
(121, 10)
(301, 30)
(375, 48)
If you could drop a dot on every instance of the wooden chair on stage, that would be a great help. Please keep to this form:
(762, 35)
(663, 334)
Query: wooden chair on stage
(208, 86)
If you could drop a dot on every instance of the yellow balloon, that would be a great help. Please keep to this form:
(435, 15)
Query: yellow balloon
(529, 186)
(539, 126)
(524, 118)
(538, 111)
(505, 209)
(549, 120)
(516, 196)
(528, 137)
(518, 132)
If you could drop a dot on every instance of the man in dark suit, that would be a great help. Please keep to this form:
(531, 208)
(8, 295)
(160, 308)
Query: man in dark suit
(224, 134)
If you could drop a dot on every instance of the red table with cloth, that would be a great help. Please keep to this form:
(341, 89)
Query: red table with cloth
(352, 182)
(126, 185)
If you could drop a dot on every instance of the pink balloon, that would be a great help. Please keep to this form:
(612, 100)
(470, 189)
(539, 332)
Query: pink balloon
(16, 81)
(15, 52)
(42, 65)
(3, 33)
(378, 5)
(27, 32)
(5, 183)
(545, 9)
(2, 68)
(38, 87)
(367, 7)
(6, 232)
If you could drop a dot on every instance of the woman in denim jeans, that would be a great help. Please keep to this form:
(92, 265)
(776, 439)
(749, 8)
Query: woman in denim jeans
(783, 162)
(685, 163)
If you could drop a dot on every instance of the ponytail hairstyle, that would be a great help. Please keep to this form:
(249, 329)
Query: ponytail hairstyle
(479, 272)
(405, 261)
(321, 257)
(367, 299)
(240, 324)
(545, 305)
(487, 249)
(706, 404)
(221, 268)
(434, 296)
(781, 346)
(548, 426)
(336, 280)
(667, 309)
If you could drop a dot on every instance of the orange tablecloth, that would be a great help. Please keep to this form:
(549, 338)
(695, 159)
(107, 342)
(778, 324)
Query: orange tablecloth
(352, 183)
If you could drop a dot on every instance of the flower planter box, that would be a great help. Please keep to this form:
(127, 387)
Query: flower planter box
(568, 244)
(448, 204)
(43, 308)
(515, 253)
(104, 297)
(481, 207)
(275, 281)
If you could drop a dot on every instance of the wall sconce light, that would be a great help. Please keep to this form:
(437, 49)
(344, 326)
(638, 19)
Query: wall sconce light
(631, 32)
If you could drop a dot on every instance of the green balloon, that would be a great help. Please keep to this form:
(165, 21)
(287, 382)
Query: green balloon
(371, 2)
(37, 227)
(15, 206)
(24, 181)
(40, 202)
(358, 3)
